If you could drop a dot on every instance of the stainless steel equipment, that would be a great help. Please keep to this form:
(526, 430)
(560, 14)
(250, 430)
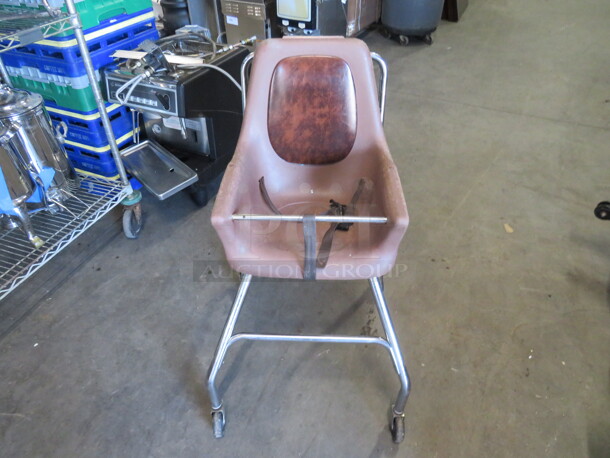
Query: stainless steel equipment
(192, 111)
(35, 168)
(207, 14)
(326, 17)
(312, 17)
(187, 134)
(149, 158)
(16, 187)
(244, 19)
(36, 145)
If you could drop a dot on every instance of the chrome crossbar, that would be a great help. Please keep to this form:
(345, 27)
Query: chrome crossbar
(304, 338)
(319, 218)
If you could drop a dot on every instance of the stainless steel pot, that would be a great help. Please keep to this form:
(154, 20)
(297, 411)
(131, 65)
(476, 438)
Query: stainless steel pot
(34, 140)
(16, 187)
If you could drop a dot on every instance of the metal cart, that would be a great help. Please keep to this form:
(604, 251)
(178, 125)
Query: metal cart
(95, 196)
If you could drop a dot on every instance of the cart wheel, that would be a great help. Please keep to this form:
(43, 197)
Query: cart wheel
(602, 211)
(385, 33)
(200, 195)
(403, 40)
(397, 427)
(428, 39)
(218, 419)
(132, 221)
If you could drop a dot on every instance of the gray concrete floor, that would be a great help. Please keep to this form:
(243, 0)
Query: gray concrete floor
(504, 120)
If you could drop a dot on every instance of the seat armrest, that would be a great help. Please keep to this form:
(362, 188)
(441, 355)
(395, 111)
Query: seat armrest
(235, 191)
(390, 200)
(391, 197)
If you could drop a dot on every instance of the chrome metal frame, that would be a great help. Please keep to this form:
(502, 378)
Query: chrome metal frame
(318, 218)
(390, 343)
(20, 31)
(95, 197)
(19, 260)
(20, 28)
(244, 77)
(383, 82)
(97, 93)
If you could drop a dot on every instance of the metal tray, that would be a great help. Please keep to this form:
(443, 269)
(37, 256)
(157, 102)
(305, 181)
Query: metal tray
(162, 173)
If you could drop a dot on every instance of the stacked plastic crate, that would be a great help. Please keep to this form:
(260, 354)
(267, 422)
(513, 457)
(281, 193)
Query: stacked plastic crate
(54, 68)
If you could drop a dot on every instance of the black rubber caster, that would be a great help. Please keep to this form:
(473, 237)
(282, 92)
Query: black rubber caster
(132, 221)
(428, 39)
(218, 420)
(200, 195)
(397, 428)
(602, 211)
(385, 33)
(403, 40)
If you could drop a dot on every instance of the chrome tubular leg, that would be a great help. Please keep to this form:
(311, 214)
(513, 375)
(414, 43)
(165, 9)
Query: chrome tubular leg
(97, 93)
(388, 326)
(223, 344)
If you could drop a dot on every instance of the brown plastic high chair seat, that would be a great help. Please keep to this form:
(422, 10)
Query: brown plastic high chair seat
(312, 191)
(312, 129)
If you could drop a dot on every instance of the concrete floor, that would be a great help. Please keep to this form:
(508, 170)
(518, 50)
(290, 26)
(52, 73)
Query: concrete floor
(504, 120)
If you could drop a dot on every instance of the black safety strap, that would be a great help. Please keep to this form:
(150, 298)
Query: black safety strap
(309, 235)
(339, 210)
(309, 228)
(266, 198)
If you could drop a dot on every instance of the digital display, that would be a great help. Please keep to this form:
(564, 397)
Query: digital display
(296, 10)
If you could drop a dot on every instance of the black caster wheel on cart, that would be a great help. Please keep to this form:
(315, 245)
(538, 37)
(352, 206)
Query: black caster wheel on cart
(218, 420)
(403, 40)
(385, 33)
(602, 211)
(397, 428)
(200, 195)
(428, 39)
(132, 221)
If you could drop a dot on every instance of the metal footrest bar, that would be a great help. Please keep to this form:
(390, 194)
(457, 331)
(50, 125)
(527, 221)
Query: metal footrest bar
(317, 339)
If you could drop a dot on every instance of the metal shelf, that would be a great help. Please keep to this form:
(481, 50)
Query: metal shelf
(19, 259)
(20, 27)
(95, 196)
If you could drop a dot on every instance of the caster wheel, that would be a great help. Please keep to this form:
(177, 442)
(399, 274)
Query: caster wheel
(602, 211)
(385, 33)
(403, 40)
(218, 419)
(132, 221)
(428, 39)
(397, 428)
(200, 196)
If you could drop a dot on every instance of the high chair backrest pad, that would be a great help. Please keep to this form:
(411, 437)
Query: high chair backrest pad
(312, 109)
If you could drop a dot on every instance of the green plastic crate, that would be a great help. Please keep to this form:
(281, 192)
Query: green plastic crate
(64, 96)
(92, 12)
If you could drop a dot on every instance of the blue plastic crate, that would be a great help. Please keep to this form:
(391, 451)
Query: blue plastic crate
(96, 160)
(61, 56)
(86, 126)
(135, 184)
